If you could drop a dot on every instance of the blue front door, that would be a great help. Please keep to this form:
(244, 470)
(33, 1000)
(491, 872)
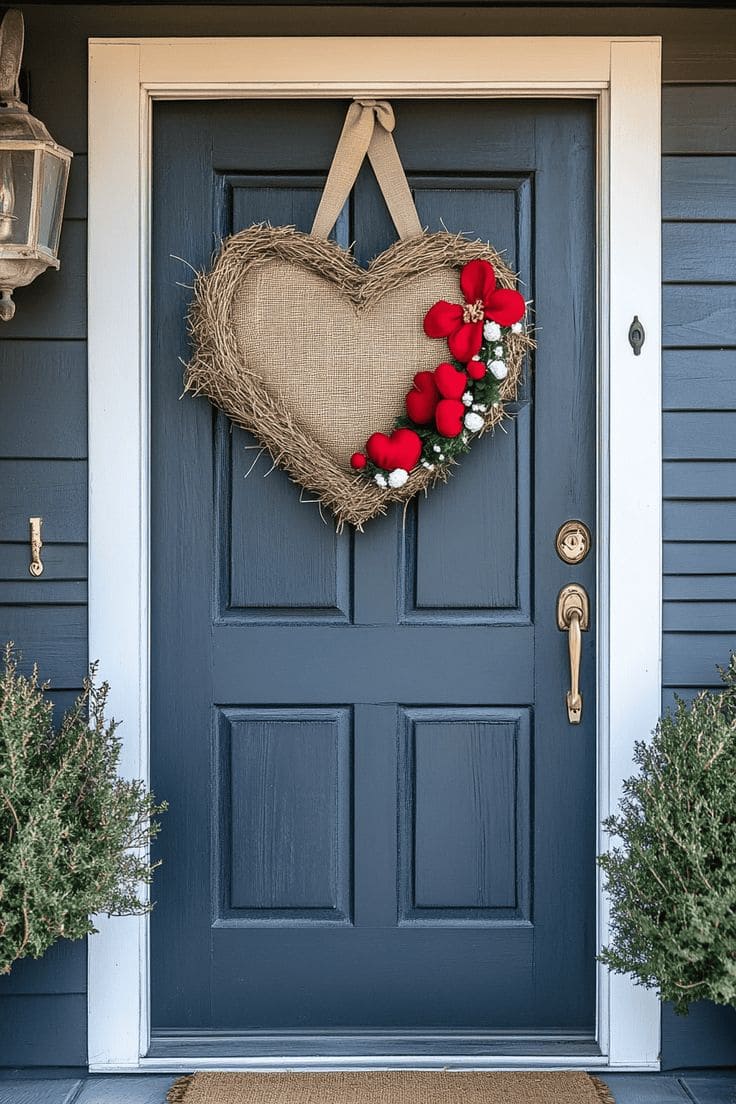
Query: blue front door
(382, 822)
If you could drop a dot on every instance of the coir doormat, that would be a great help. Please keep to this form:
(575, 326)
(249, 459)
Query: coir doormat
(391, 1087)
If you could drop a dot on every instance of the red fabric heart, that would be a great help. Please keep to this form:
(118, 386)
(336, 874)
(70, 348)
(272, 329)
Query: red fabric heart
(451, 384)
(422, 399)
(448, 417)
(476, 369)
(401, 450)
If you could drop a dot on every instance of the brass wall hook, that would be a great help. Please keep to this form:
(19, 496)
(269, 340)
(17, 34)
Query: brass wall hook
(36, 566)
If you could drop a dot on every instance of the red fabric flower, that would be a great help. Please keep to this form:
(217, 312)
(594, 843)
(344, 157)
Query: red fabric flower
(462, 325)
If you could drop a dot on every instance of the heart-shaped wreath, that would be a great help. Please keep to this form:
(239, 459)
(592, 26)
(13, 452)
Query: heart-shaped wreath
(316, 356)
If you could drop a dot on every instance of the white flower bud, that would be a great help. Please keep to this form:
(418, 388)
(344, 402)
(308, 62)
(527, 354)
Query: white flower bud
(498, 351)
(499, 369)
(436, 448)
(380, 479)
(398, 477)
(517, 327)
(441, 456)
(473, 422)
(468, 399)
(491, 331)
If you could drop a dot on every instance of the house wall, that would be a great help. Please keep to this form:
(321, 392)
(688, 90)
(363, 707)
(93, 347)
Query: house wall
(43, 430)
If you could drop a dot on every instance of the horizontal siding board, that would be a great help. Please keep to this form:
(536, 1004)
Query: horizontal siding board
(699, 188)
(42, 591)
(699, 617)
(55, 490)
(693, 315)
(63, 969)
(699, 252)
(55, 304)
(699, 588)
(43, 1030)
(691, 521)
(43, 399)
(699, 119)
(692, 659)
(698, 557)
(60, 562)
(54, 637)
(699, 379)
(699, 479)
(699, 435)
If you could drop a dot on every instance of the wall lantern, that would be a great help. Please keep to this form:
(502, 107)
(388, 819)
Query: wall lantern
(33, 177)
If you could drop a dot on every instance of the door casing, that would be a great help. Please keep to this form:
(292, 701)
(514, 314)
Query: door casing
(623, 75)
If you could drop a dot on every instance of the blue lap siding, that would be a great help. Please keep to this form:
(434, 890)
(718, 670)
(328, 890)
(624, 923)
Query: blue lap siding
(699, 429)
(43, 428)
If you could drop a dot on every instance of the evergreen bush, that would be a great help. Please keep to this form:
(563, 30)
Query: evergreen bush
(672, 879)
(73, 835)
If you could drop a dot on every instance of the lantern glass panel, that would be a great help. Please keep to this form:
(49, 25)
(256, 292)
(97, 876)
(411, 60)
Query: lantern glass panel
(16, 195)
(52, 190)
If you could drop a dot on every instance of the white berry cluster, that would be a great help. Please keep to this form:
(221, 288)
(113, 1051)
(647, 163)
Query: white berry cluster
(473, 421)
(395, 478)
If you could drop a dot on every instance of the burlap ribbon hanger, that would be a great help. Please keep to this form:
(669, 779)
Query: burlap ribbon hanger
(368, 131)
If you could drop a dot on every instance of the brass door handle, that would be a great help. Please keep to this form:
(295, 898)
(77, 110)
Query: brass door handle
(573, 617)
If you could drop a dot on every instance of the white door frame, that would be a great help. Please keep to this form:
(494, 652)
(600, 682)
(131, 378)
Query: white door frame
(126, 76)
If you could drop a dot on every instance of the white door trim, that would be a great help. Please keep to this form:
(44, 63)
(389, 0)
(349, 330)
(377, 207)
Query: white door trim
(126, 76)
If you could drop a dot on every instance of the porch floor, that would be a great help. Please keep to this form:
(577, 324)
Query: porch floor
(47, 1087)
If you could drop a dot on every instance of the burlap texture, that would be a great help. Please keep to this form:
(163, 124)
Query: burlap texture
(343, 369)
(391, 1087)
(312, 354)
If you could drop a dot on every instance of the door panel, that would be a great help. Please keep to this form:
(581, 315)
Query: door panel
(464, 806)
(381, 821)
(284, 784)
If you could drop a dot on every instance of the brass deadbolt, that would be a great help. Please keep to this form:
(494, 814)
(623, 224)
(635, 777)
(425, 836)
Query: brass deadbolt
(573, 541)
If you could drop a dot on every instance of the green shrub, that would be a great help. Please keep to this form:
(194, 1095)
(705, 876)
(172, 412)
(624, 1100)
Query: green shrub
(672, 880)
(73, 835)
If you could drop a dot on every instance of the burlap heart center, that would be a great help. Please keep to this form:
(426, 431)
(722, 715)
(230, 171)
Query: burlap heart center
(339, 357)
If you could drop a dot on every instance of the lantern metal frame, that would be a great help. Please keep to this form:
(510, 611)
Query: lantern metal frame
(20, 132)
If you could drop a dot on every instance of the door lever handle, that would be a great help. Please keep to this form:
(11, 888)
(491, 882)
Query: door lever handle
(573, 617)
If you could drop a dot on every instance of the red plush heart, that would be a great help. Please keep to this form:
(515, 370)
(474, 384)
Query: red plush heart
(449, 416)
(422, 399)
(450, 383)
(401, 450)
(476, 369)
